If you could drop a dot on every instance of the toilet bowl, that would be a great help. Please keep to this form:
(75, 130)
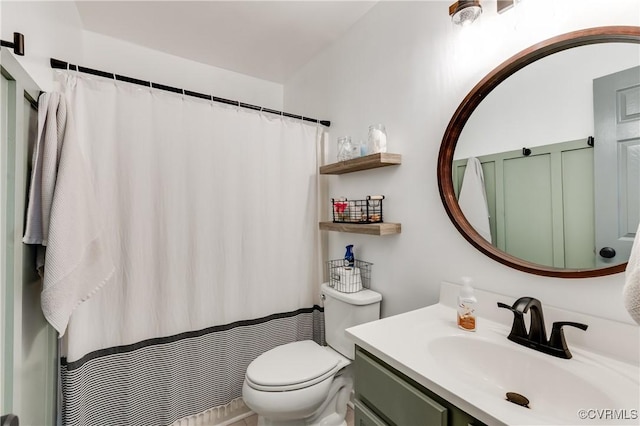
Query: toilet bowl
(303, 383)
(297, 383)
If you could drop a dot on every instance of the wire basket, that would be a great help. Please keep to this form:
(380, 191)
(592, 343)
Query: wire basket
(349, 279)
(357, 211)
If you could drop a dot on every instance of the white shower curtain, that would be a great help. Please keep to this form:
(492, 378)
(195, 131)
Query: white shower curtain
(212, 219)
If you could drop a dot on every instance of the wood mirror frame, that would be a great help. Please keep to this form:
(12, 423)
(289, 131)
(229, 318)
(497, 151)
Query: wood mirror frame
(625, 34)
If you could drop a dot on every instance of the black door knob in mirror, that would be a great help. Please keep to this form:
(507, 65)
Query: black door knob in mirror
(607, 252)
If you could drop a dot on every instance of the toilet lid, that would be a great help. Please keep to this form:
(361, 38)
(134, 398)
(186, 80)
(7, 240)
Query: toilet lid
(290, 364)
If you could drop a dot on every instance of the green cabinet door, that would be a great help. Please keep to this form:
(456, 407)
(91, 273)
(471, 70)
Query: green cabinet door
(392, 398)
(384, 396)
(365, 417)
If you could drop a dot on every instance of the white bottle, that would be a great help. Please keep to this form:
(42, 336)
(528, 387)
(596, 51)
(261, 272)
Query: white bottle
(467, 306)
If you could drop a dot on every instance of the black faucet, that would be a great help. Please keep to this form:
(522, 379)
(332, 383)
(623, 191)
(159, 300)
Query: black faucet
(536, 338)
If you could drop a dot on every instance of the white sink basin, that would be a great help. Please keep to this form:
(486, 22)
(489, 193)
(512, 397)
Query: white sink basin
(474, 371)
(557, 389)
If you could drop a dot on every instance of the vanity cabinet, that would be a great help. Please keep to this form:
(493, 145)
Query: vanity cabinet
(384, 396)
(373, 161)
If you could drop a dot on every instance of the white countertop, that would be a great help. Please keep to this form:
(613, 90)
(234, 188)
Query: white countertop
(403, 341)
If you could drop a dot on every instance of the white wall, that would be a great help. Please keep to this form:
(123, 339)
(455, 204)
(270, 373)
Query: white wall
(109, 54)
(405, 65)
(53, 29)
(547, 102)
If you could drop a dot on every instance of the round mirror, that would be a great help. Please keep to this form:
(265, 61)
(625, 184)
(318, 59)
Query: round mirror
(539, 167)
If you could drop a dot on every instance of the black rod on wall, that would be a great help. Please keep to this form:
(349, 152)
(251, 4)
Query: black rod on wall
(17, 45)
(58, 64)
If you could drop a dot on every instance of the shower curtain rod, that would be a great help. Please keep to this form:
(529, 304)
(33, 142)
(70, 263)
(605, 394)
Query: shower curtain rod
(58, 64)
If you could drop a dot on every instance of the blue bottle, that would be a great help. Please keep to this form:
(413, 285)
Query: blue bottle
(349, 259)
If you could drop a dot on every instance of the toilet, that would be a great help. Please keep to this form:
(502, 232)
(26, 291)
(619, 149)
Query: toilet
(303, 383)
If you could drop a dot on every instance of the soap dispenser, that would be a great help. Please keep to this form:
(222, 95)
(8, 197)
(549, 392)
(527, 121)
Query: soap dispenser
(349, 258)
(466, 306)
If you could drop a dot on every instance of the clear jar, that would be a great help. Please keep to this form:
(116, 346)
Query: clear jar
(377, 139)
(353, 151)
(345, 148)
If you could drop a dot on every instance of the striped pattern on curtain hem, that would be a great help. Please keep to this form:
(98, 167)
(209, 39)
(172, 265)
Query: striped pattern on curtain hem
(158, 381)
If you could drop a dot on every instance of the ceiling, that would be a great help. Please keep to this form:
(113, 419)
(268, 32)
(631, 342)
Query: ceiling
(269, 40)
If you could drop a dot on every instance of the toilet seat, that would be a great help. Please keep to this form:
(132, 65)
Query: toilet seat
(293, 366)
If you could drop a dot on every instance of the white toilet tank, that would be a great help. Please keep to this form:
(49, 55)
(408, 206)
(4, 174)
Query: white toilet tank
(344, 310)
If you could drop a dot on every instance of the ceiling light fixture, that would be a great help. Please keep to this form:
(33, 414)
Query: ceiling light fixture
(464, 12)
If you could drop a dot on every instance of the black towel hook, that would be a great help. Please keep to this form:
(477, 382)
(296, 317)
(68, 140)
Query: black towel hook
(526, 152)
(17, 45)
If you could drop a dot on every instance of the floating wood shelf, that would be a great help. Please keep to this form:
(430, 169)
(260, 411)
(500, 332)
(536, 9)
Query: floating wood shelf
(362, 228)
(373, 161)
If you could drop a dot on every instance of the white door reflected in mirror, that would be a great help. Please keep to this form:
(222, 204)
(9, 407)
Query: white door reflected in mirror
(616, 99)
